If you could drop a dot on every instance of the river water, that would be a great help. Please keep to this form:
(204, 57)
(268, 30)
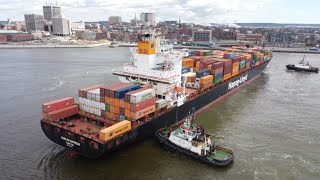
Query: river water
(272, 124)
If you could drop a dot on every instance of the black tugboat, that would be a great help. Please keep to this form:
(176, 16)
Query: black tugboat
(302, 66)
(191, 141)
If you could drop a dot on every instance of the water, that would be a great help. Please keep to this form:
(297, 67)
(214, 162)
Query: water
(272, 124)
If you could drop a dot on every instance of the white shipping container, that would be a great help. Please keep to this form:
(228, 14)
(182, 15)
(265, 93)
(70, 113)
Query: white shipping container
(161, 103)
(142, 96)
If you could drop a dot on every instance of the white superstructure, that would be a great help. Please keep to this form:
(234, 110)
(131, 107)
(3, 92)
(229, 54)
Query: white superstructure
(191, 138)
(155, 62)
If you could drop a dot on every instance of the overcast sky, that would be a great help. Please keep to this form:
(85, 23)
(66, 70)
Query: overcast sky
(196, 11)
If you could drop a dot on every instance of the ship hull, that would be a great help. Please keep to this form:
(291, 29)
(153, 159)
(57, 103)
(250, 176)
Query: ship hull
(91, 149)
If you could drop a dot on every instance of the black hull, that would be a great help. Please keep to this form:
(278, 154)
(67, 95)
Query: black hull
(292, 67)
(91, 149)
(202, 159)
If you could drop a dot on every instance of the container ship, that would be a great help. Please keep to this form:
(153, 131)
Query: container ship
(158, 87)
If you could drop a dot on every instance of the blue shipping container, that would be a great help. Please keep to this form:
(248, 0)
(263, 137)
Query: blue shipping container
(119, 94)
(217, 76)
(252, 63)
(185, 70)
(231, 55)
(242, 62)
(202, 73)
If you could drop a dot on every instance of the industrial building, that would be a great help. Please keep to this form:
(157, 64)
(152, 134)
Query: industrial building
(115, 20)
(77, 27)
(202, 38)
(34, 22)
(61, 26)
(148, 19)
(51, 11)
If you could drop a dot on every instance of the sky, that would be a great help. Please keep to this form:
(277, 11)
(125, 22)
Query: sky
(190, 11)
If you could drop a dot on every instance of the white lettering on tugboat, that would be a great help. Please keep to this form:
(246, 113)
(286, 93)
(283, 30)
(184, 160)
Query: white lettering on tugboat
(69, 142)
(236, 83)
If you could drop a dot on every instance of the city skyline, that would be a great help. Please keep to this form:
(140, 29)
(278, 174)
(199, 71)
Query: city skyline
(193, 11)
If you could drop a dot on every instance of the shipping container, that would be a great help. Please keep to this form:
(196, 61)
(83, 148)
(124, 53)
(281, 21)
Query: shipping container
(142, 113)
(83, 91)
(117, 102)
(119, 94)
(202, 73)
(218, 78)
(61, 113)
(115, 130)
(188, 62)
(185, 70)
(206, 86)
(137, 97)
(58, 104)
(227, 65)
(206, 79)
(161, 103)
(143, 104)
(227, 76)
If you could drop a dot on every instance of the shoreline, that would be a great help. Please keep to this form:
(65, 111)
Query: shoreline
(274, 49)
(53, 46)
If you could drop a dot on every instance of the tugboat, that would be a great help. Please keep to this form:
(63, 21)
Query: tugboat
(191, 141)
(302, 66)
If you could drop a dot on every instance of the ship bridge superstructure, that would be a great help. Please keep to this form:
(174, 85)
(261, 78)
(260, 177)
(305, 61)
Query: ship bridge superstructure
(154, 62)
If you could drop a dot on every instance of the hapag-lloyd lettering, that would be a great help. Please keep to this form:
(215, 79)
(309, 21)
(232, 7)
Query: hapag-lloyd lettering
(236, 83)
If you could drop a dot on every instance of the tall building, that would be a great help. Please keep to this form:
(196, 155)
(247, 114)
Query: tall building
(202, 38)
(34, 22)
(61, 26)
(51, 11)
(148, 19)
(115, 20)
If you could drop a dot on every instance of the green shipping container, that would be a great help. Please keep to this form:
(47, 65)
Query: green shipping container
(107, 108)
(242, 66)
(217, 80)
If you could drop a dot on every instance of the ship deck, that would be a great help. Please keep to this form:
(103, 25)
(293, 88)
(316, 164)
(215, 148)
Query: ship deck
(82, 127)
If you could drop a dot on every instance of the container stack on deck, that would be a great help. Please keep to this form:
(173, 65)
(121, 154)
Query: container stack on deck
(114, 99)
(139, 103)
(59, 109)
(222, 65)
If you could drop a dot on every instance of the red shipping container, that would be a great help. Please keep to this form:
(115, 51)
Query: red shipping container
(217, 65)
(61, 113)
(227, 65)
(248, 64)
(58, 104)
(104, 89)
(142, 105)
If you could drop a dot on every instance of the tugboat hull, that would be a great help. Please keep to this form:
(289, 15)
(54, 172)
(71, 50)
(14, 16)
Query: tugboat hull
(293, 67)
(202, 159)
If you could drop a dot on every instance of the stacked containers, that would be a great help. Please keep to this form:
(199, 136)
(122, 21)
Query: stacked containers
(235, 66)
(227, 68)
(203, 53)
(90, 100)
(217, 71)
(256, 57)
(139, 103)
(114, 100)
(59, 109)
(248, 60)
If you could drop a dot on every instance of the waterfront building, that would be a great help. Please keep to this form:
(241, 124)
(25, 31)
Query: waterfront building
(34, 22)
(50, 12)
(148, 19)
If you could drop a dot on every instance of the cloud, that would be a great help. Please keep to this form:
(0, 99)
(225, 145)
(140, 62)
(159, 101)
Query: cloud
(198, 11)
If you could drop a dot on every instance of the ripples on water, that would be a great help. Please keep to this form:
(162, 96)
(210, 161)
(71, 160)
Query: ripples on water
(272, 124)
